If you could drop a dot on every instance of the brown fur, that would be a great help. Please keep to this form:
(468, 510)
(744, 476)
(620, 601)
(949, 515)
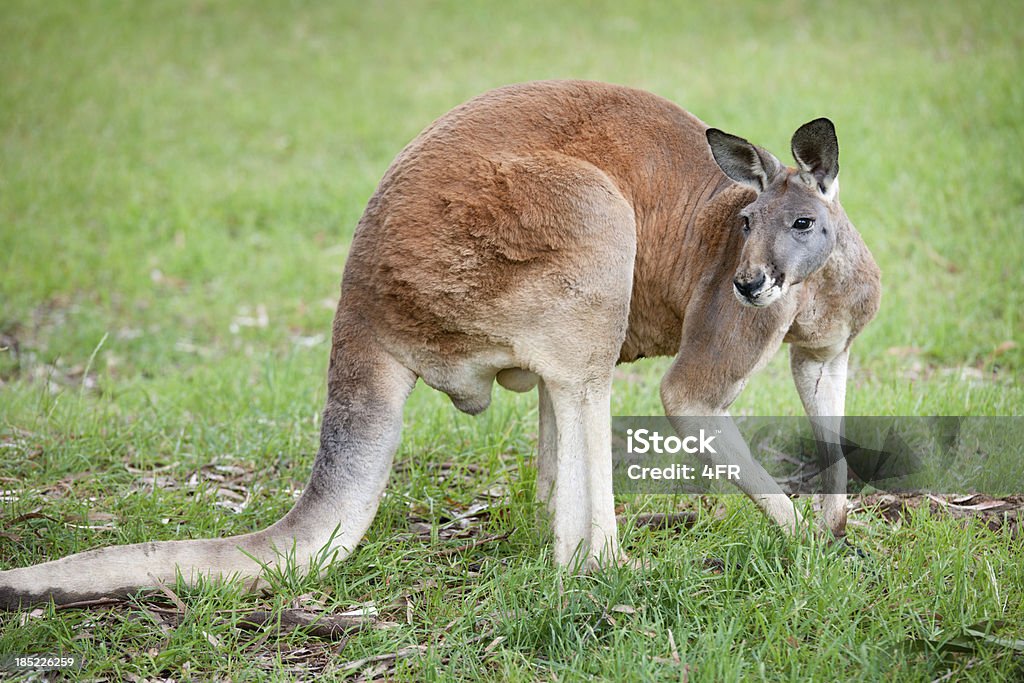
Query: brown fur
(459, 220)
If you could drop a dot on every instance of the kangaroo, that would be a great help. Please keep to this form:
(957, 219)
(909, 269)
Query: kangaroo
(538, 235)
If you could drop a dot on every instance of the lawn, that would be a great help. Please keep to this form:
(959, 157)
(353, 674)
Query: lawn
(179, 182)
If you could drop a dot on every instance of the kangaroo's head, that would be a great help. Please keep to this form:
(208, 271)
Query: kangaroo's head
(790, 228)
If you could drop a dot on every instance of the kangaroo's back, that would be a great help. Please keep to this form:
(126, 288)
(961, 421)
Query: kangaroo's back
(627, 133)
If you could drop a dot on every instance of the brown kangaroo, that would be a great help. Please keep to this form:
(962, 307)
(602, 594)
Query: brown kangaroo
(540, 234)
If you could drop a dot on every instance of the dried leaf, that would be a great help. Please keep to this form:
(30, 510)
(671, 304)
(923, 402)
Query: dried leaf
(1004, 347)
(494, 643)
(404, 652)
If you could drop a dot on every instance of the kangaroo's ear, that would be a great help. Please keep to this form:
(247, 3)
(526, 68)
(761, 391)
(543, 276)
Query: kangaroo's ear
(816, 151)
(743, 162)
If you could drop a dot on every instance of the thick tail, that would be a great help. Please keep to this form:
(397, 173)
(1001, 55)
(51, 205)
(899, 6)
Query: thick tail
(362, 423)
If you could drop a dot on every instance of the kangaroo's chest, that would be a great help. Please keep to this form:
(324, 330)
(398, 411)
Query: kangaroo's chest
(819, 323)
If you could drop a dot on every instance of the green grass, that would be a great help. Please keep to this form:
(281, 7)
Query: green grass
(174, 173)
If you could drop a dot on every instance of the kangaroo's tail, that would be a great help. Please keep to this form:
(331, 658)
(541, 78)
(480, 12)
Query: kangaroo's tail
(362, 421)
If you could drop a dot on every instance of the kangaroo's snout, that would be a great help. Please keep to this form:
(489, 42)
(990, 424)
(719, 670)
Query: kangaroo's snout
(748, 288)
(755, 288)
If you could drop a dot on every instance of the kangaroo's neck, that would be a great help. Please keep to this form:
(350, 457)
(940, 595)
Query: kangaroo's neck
(835, 303)
(847, 261)
(688, 242)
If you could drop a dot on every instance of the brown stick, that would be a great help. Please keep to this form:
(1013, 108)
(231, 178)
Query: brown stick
(328, 626)
(658, 520)
(473, 544)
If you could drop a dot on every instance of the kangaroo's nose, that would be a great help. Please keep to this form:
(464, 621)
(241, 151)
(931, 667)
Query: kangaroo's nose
(748, 288)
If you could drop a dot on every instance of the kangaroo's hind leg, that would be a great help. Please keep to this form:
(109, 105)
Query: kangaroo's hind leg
(547, 446)
(566, 319)
(581, 503)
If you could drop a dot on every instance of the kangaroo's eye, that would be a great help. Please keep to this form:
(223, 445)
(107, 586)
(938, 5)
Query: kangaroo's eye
(803, 224)
(746, 224)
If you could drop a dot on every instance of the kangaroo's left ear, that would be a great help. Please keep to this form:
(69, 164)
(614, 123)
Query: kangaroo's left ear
(816, 151)
(743, 162)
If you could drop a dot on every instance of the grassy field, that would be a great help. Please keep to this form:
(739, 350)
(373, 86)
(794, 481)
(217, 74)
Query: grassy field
(178, 185)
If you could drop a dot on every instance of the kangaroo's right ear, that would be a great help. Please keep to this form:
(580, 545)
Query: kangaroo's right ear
(743, 162)
(816, 150)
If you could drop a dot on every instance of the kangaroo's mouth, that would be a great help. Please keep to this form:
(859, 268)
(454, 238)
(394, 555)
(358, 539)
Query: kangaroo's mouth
(767, 294)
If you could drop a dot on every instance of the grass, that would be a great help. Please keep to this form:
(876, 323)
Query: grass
(178, 185)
